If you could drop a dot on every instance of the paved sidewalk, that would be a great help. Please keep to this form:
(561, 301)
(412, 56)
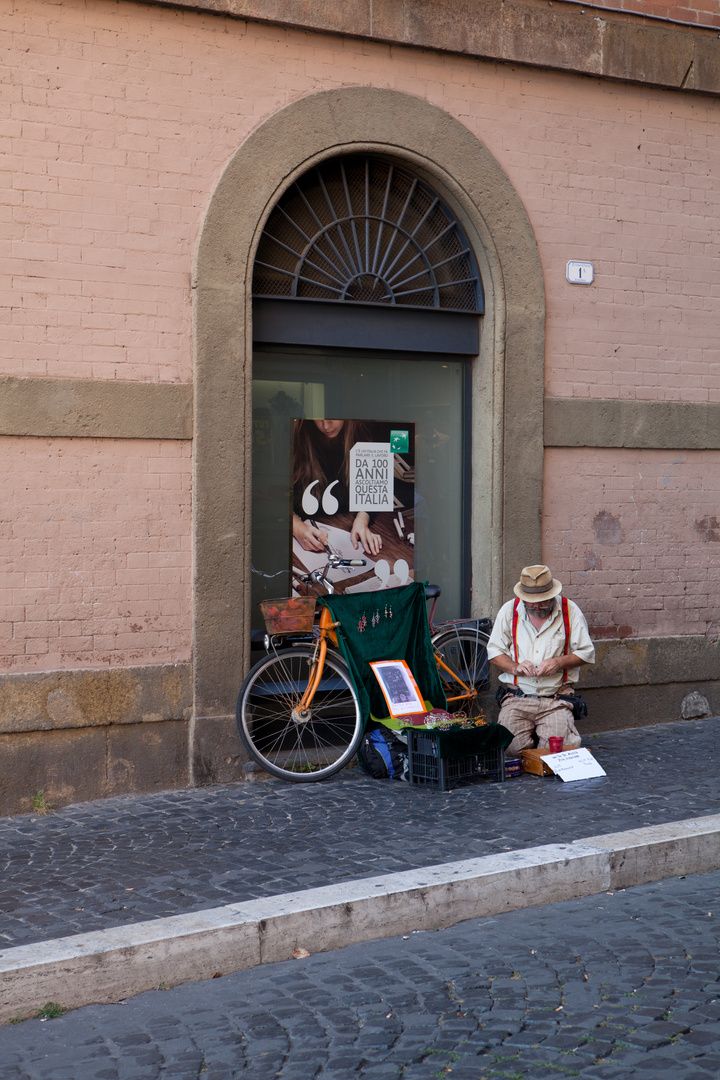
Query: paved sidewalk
(608, 987)
(103, 864)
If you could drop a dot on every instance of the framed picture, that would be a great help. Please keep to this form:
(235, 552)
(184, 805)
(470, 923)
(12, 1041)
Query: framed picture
(399, 687)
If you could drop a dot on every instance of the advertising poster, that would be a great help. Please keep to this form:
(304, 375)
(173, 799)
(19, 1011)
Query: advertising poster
(354, 495)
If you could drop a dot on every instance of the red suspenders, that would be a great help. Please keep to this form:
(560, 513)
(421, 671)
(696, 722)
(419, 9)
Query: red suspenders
(566, 624)
(514, 634)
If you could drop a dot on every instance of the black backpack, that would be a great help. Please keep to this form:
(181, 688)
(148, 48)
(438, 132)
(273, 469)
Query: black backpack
(382, 754)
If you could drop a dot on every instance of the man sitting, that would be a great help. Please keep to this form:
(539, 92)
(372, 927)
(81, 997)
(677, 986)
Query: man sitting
(539, 642)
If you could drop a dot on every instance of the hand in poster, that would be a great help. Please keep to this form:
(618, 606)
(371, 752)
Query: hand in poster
(309, 536)
(361, 534)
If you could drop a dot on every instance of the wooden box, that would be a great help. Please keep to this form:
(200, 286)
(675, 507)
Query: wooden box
(533, 762)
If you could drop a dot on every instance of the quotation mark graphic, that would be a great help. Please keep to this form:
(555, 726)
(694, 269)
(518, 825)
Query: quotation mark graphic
(311, 505)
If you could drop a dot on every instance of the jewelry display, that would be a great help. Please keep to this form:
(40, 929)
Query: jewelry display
(441, 720)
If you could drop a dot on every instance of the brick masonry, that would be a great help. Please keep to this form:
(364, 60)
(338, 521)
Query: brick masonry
(96, 553)
(117, 121)
(634, 534)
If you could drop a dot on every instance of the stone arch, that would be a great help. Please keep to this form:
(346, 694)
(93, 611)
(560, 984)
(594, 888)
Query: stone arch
(507, 437)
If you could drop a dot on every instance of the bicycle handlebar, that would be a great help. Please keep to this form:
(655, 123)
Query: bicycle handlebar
(319, 576)
(335, 560)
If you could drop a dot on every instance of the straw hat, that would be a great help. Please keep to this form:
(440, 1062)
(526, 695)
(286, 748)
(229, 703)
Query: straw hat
(537, 584)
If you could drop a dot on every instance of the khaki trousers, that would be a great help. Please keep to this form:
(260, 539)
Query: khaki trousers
(533, 720)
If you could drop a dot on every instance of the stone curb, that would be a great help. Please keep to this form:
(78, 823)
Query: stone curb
(109, 965)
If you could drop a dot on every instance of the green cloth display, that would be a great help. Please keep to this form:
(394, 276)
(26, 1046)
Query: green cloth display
(405, 636)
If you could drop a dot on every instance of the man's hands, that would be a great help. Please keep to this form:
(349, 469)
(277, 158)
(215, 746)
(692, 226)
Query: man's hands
(551, 666)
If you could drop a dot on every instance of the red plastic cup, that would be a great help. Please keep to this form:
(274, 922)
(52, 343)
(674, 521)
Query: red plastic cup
(555, 743)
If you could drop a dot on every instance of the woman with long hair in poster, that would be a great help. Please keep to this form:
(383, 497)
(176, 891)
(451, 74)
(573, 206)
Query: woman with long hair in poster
(321, 478)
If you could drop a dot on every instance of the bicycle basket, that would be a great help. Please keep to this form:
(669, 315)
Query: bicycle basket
(289, 615)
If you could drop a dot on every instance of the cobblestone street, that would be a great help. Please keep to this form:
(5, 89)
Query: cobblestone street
(612, 986)
(102, 864)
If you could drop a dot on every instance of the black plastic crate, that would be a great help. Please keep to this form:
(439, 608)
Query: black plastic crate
(491, 764)
(426, 767)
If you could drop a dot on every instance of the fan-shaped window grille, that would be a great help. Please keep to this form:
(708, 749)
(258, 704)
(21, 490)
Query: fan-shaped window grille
(360, 229)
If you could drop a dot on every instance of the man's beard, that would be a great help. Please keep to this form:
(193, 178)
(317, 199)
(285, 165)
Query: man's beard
(541, 611)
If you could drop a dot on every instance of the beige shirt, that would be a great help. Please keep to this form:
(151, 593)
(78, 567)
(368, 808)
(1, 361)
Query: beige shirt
(537, 645)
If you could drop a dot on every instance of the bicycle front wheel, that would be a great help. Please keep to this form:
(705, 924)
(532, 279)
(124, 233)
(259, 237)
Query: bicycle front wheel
(464, 650)
(277, 737)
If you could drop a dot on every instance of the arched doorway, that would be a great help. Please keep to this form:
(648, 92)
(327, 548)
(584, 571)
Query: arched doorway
(366, 300)
(505, 380)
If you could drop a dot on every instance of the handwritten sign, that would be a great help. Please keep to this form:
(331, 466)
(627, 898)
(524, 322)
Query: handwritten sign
(371, 477)
(574, 765)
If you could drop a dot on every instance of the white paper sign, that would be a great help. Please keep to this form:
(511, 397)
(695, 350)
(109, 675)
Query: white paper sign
(371, 477)
(574, 765)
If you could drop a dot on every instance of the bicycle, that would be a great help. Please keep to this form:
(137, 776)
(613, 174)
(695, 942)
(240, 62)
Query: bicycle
(297, 711)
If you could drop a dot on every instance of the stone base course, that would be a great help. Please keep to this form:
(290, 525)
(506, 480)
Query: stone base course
(93, 733)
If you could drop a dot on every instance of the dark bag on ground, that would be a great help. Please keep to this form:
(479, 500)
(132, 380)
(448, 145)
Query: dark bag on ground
(382, 754)
(578, 704)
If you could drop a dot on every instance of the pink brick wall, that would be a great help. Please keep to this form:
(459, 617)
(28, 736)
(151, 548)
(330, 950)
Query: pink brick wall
(118, 118)
(635, 537)
(116, 121)
(95, 553)
(645, 191)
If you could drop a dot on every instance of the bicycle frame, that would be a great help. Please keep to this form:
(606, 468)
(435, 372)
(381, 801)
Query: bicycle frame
(470, 693)
(327, 632)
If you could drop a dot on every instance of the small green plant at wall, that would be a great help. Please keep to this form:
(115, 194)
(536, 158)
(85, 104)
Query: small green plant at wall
(39, 803)
(51, 1011)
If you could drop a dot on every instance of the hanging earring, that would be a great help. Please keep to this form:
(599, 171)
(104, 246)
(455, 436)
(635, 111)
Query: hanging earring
(362, 623)
(386, 611)
(391, 611)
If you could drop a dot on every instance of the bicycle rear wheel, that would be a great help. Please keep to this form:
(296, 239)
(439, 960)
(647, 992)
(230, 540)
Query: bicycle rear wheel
(464, 650)
(277, 738)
